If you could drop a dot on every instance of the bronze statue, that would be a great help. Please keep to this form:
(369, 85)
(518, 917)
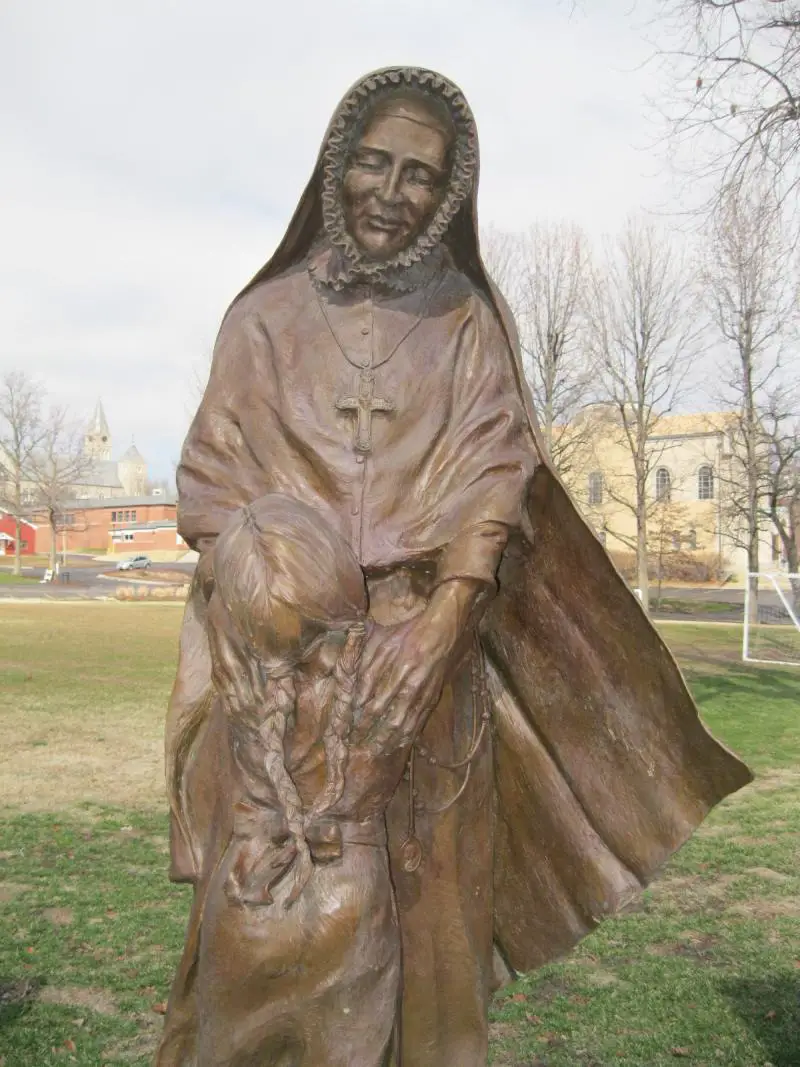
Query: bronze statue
(422, 735)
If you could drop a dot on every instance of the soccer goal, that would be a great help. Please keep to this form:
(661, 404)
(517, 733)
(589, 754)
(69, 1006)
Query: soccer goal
(771, 626)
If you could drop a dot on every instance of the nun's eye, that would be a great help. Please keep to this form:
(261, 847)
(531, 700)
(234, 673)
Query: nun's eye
(421, 177)
(371, 161)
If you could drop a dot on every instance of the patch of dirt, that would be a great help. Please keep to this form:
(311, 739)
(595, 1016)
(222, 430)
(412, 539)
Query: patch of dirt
(79, 766)
(776, 908)
(59, 916)
(10, 890)
(691, 945)
(142, 1046)
(692, 892)
(160, 575)
(715, 829)
(769, 781)
(603, 979)
(96, 1000)
(768, 874)
(751, 841)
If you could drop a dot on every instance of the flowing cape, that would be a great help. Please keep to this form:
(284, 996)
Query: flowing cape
(602, 765)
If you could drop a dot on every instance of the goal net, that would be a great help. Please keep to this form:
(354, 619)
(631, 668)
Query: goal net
(771, 626)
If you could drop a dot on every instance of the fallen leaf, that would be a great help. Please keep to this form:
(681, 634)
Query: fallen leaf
(70, 1045)
(160, 1008)
(680, 1050)
(519, 998)
(771, 1015)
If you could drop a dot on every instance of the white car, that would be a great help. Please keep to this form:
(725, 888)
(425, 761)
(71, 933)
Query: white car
(137, 563)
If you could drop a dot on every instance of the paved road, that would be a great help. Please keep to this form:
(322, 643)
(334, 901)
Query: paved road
(85, 581)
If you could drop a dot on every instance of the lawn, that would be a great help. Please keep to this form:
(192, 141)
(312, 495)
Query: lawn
(705, 969)
(7, 578)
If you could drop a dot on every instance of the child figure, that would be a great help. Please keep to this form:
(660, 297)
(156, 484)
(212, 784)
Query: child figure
(298, 956)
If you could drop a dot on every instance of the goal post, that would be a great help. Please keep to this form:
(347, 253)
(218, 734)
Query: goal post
(771, 625)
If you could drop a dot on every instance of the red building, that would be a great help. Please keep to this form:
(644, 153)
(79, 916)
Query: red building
(8, 536)
(91, 525)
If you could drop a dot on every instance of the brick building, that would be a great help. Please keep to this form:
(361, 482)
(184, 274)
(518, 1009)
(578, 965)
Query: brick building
(158, 535)
(109, 525)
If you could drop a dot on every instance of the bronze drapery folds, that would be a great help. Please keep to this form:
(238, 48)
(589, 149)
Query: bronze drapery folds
(421, 731)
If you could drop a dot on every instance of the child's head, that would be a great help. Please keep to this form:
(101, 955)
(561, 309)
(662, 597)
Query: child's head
(286, 579)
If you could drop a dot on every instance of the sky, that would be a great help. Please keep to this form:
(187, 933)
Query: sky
(153, 154)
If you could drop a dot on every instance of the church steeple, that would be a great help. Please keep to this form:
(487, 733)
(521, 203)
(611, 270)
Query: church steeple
(97, 442)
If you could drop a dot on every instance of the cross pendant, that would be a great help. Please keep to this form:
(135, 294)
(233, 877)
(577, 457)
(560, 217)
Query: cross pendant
(363, 406)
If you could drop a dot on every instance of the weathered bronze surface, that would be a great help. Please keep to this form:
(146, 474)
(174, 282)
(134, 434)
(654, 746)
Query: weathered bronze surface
(422, 735)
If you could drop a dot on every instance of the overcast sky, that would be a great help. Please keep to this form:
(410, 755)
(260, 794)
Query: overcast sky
(153, 153)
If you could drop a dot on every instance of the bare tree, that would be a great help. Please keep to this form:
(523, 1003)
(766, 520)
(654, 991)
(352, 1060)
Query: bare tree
(20, 435)
(780, 421)
(736, 67)
(543, 274)
(751, 297)
(642, 312)
(57, 465)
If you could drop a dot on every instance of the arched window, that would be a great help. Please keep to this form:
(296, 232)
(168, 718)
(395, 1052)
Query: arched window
(663, 484)
(705, 483)
(595, 488)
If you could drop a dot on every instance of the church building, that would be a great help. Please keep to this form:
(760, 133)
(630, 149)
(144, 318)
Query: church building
(106, 477)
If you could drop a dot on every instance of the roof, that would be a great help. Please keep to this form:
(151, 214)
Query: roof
(132, 455)
(699, 423)
(156, 524)
(98, 423)
(115, 502)
(102, 472)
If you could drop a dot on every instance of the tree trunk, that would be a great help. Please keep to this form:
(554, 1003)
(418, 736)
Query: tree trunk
(17, 545)
(53, 545)
(752, 569)
(641, 560)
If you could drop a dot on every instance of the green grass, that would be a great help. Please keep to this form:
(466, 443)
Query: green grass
(7, 578)
(705, 970)
(676, 606)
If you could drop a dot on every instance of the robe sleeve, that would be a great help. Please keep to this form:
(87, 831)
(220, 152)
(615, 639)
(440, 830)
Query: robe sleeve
(481, 471)
(474, 553)
(218, 472)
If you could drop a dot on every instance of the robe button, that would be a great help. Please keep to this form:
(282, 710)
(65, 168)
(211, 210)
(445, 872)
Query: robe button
(355, 509)
(359, 459)
(365, 330)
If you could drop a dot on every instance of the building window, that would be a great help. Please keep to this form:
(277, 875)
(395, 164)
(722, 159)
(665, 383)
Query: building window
(133, 516)
(705, 483)
(595, 488)
(127, 516)
(663, 484)
(691, 540)
(113, 516)
(23, 545)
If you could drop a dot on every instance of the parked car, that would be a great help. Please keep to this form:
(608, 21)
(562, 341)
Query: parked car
(137, 563)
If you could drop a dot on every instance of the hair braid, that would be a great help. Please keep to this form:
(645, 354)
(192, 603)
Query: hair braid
(340, 722)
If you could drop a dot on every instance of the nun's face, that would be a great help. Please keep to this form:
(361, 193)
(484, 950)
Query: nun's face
(395, 179)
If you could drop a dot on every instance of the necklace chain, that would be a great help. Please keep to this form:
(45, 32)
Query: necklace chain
(373, 366)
